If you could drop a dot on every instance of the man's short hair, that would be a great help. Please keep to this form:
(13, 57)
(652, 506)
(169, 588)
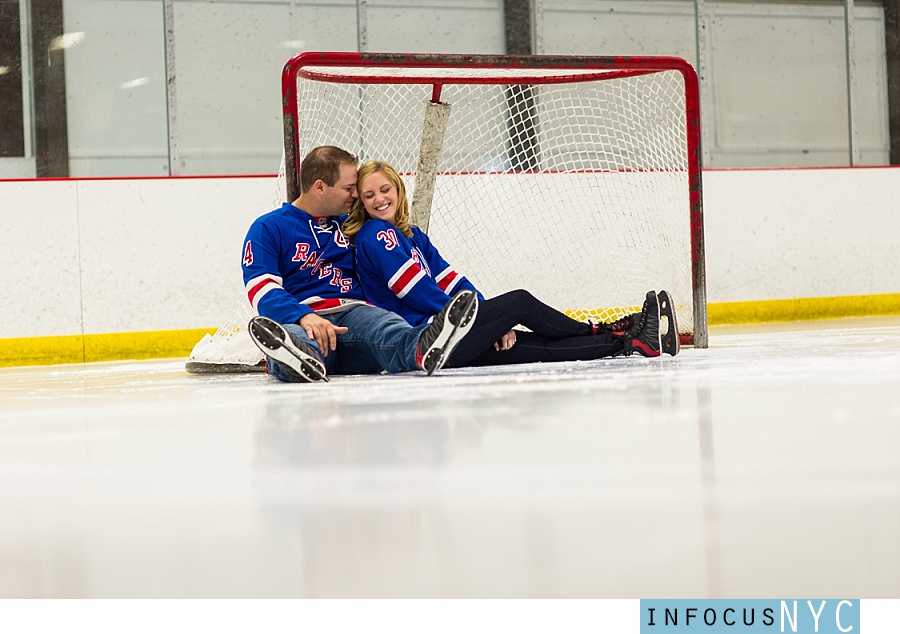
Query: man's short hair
(324, 163)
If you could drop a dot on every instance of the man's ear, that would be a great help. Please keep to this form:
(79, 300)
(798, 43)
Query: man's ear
(319, 186)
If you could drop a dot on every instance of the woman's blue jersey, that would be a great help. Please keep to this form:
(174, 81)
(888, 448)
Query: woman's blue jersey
(403, 275)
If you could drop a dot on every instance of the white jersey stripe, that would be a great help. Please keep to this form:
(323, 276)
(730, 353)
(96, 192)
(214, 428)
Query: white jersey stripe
(447, 280)
(259, 286)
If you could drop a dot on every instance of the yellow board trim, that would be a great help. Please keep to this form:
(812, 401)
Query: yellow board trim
(157, 344)
(167, 344)
(802, 309)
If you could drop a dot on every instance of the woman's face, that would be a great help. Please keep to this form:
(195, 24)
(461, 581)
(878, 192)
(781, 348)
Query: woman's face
(379, 197)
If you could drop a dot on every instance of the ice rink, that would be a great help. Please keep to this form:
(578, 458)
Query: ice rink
(766, 465)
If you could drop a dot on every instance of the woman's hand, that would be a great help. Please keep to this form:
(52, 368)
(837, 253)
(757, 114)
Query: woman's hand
(506, 341)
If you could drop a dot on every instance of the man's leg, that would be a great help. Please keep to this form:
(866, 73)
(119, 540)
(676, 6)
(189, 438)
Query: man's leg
(376, 340)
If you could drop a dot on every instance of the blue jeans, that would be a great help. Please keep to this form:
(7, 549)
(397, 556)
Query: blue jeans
(376, 340)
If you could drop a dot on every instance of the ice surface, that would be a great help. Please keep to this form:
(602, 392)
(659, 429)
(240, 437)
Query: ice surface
(767, 465)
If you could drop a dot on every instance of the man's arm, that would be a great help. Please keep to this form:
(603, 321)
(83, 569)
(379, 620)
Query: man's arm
(263, 281)
(264, 285)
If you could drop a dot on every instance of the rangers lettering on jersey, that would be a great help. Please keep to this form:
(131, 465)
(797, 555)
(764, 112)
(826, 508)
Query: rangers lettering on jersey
(338, 279)
(290, 256)
(419, 259)
(313, 261)
(302, 252)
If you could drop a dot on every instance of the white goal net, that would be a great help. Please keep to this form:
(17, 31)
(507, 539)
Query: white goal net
(575, 178)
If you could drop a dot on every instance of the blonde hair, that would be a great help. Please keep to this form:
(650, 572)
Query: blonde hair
(359, 215)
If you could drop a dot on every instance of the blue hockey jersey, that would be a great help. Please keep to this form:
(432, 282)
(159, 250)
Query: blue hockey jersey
(408, 277)
(295, 264)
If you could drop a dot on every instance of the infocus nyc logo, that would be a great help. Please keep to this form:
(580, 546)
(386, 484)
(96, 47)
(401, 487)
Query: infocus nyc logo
(801, 616)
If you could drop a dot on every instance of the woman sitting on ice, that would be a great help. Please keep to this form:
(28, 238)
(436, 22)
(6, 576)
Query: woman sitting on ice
(402, 271)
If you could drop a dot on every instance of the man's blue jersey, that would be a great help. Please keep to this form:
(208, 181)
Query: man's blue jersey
(295, 264)
(408, 277)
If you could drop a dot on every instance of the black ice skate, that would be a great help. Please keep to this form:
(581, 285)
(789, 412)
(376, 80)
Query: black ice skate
(646, 341)
(299, 359)
(446, 330)
(670, 343)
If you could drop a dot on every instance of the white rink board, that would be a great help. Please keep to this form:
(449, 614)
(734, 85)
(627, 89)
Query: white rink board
(146, 254)
(156, 256)
(40, 251)
(130, 255)
(785, 234)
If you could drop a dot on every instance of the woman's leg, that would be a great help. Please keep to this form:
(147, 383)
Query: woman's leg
(537, 316)
(496, 316)
(531, 347)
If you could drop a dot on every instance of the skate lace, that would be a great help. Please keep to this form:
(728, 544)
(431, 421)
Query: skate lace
(626, 324)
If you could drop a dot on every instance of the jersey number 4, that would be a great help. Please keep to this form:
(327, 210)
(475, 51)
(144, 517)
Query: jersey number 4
(248, 254)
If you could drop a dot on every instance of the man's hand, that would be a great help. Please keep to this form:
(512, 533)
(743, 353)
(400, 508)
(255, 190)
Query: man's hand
(506, 341)
(322, 331)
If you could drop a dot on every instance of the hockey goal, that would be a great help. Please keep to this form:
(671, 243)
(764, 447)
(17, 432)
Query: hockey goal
(577, 178)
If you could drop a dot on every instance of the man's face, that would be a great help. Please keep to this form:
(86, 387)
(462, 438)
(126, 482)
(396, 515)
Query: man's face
(340, 198)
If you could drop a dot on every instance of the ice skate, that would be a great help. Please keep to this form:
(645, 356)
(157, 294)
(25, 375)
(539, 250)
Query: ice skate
(670, 343)
(300, 359)
(646, 341)
(445, 331)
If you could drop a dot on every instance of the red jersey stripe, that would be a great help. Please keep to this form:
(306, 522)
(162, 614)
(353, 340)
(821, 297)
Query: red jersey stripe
(447, 279)
(418, 276)
(407, 276)
(258, 290)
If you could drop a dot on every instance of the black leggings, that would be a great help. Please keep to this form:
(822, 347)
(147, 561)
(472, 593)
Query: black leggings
(553, 337)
